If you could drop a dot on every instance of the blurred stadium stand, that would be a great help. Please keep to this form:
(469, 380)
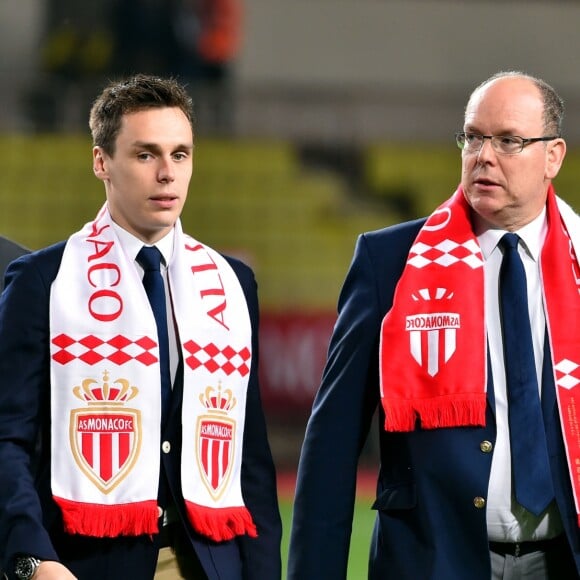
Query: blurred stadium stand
(331, 70)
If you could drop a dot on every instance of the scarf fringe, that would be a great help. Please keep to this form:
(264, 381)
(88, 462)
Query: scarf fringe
(435, 413)
(221, 524)
(109, 521)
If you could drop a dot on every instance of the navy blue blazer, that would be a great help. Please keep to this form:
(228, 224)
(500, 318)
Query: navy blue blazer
(30, 522)
(432, 484)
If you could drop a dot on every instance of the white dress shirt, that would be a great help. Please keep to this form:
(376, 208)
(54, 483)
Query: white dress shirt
(507, 521)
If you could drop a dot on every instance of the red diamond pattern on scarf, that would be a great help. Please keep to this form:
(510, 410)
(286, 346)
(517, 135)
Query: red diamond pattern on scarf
(228, 359)
(92, 350)
(445, 253)
(567, 374)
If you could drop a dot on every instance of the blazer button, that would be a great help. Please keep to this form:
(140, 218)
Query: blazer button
(486, 446)
(479, 502)
(166, 447)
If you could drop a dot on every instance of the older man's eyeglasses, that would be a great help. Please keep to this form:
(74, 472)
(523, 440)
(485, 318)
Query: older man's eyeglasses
(504, 144)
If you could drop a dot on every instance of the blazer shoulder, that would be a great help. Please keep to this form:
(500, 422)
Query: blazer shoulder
(244, 273)
(390, 243)
(398, 232)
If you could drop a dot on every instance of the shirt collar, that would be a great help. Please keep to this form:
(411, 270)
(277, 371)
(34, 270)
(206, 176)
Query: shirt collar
(132, 245)
(532, 236)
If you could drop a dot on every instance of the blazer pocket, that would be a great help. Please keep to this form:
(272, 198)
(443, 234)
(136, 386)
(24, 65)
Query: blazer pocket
(402, 496)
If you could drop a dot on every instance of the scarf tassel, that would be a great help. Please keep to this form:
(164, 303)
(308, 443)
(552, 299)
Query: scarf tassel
(435, 413)
(221, 524)
(109, 521)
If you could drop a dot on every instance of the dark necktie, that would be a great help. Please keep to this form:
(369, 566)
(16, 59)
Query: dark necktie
(150, 259)
(532, 481)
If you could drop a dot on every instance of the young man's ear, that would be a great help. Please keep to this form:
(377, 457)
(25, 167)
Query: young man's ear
(99, 163)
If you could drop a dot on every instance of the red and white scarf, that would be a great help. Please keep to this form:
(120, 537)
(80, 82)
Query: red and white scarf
(433, 340)
(106, 394)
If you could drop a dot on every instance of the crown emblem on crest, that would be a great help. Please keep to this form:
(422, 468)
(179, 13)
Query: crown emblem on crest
(118, 393)
(218, 400)
(436, 294)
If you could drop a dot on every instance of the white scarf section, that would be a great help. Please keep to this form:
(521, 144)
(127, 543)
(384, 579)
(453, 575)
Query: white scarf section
(106, 393)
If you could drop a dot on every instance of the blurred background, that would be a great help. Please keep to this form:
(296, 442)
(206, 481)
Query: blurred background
(316, 120)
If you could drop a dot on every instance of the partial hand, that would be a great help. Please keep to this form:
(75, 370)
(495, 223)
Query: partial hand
(49, 570)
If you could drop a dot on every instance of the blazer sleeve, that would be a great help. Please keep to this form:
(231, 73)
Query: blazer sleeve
(260, 556)
(336, 431)
(24, 405)
(344, 407)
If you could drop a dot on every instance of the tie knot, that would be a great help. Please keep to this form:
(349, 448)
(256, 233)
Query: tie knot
(509, 241)
(149, 257)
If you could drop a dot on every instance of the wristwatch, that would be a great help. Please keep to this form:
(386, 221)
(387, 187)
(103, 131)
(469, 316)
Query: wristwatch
(26, 567)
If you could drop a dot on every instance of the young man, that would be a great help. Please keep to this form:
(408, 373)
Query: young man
(425, 333)
(132, 385)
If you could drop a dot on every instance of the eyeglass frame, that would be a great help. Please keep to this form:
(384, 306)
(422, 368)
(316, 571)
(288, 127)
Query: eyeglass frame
(493, 139)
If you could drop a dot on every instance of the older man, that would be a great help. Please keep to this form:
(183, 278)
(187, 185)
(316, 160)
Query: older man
(463, 330)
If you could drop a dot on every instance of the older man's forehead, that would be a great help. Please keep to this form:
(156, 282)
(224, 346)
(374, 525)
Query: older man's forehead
(511, 102)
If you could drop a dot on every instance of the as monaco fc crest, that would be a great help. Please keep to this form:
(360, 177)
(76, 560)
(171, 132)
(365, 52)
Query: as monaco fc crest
(105, 435)
(433, 335)
(215, 435)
